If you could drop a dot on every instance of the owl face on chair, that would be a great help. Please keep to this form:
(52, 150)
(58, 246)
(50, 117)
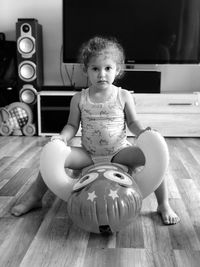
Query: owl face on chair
(105, 199)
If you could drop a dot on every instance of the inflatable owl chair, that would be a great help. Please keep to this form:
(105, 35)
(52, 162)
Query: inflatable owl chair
(106, 198)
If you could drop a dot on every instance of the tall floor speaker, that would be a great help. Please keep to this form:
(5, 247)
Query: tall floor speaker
(29, 59)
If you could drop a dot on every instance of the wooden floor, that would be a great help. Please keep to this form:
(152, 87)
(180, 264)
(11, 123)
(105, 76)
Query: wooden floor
(47, 237)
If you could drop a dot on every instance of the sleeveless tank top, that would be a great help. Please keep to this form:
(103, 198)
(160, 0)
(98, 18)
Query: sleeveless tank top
(103, 124)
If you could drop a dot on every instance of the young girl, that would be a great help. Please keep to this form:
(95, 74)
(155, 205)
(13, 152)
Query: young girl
(102, 109)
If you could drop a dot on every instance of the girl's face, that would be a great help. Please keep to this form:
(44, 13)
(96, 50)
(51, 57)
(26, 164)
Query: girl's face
(102, 71)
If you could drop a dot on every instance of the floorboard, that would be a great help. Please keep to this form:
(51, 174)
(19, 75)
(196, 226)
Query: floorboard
(47, 236)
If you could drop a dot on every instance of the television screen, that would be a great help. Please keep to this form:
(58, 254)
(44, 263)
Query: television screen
(151, 31)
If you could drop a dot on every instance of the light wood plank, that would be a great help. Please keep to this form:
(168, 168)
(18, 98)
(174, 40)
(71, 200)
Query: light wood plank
(116, 258)
(187, 258)
(57, 243)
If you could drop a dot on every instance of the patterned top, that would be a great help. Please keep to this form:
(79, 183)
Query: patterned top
(103, 124)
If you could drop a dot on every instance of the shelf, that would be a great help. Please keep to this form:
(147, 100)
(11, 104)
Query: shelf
(50, 108)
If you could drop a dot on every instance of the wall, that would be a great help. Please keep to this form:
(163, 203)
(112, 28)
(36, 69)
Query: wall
(178, 78)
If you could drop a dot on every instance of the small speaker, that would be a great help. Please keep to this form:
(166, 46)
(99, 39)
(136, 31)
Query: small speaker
(29, 59)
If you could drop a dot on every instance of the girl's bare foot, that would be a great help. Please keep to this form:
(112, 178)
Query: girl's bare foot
(26, 205)
(167, 214)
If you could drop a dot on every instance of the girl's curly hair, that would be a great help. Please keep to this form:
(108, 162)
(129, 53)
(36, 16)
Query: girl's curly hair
(96, 45)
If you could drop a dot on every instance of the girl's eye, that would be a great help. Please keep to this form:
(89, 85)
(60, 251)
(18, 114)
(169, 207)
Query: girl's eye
(108, 68)
(118, 177)
(86, 179)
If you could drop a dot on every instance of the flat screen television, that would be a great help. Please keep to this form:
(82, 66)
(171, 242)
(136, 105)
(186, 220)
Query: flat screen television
(151, 31)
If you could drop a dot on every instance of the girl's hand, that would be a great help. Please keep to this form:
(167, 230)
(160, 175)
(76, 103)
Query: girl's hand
(60, 137)
(146, 129)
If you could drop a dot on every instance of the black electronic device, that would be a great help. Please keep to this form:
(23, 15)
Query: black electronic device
(151, 31)
(8, 71)
(141, 82)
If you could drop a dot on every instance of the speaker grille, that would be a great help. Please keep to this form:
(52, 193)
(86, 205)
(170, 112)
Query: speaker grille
(27, 71)
(26, 46)
(28, 94)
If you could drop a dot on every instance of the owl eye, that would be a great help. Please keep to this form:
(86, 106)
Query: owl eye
(118, 177)
(86, 179)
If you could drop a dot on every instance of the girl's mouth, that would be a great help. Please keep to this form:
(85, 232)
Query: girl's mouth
(102, 81)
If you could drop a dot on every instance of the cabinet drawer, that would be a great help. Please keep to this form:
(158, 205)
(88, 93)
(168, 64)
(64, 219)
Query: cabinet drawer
(167, 103)
(173, 124)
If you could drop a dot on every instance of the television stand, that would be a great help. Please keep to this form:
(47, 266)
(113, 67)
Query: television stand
(170, 114)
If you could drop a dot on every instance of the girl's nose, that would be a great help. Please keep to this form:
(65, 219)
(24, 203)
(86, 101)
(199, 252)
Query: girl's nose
(101, 73)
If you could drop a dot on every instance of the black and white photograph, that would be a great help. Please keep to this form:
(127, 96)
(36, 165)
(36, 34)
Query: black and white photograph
(100, 133)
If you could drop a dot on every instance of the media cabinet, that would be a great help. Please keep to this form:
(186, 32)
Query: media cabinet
(171, 114)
